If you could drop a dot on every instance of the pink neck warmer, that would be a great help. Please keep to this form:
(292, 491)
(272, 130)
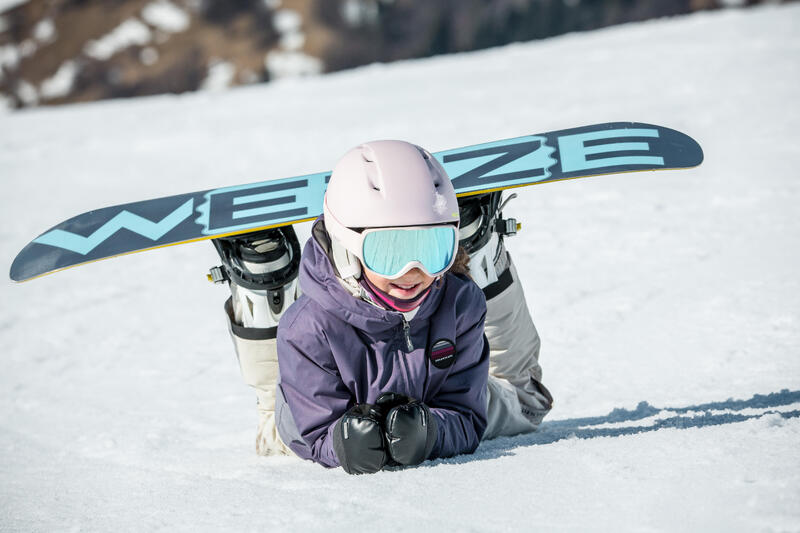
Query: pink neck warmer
(390, 302)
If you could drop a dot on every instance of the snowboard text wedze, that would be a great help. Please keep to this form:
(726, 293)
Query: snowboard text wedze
(509, 163)
(579, 152)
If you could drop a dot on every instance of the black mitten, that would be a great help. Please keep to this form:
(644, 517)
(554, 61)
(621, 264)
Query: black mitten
(411, 430)
(358, 440)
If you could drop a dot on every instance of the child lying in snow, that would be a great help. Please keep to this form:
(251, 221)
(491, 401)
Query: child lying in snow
(411, 339)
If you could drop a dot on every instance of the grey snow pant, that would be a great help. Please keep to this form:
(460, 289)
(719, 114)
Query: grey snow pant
(517, 400)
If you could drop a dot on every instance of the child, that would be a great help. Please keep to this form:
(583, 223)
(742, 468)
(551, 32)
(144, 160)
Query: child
(392, 354)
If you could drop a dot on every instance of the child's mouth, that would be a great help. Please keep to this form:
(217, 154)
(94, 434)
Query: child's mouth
(405, 290)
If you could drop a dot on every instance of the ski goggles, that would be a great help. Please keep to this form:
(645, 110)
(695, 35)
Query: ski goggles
(391, 252)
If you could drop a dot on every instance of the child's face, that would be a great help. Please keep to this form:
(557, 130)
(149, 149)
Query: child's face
(406, 287)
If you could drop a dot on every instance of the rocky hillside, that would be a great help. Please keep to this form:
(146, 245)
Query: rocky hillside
(59, 51)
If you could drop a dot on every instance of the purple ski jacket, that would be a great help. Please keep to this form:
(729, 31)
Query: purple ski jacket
(336, 350)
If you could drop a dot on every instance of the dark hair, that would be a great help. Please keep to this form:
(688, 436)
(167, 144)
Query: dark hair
(461, 264)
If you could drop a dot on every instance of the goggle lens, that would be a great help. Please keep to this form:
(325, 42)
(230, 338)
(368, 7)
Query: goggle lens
(386, 252)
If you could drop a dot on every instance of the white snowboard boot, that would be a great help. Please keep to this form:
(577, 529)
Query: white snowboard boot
(517, 399)
(261, 269)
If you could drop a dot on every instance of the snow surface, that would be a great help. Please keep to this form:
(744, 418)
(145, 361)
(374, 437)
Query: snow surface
(668, 302)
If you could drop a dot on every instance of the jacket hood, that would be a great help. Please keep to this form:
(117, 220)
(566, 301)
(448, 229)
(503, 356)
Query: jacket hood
(320, 283)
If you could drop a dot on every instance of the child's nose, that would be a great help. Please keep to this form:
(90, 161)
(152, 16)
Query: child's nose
(413, 274)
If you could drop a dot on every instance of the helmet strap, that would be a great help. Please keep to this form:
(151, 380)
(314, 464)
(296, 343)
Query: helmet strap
(346, 263)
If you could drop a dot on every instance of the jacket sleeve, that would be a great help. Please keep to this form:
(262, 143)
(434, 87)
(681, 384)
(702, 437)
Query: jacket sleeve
(313, 388)
(460, 404)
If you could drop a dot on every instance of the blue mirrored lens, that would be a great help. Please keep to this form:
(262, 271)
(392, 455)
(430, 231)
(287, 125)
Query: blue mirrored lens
(386, 252)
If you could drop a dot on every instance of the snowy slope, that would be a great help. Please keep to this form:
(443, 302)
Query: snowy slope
(121, 405)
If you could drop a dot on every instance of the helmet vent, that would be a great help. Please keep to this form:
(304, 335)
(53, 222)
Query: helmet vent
(371, 168)
(437, 176)
(373, 176)
(367, 153)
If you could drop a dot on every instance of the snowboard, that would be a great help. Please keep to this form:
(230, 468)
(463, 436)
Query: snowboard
(531, 159)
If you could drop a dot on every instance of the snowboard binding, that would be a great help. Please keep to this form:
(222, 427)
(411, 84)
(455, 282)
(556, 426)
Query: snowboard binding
(481, 215)
(481, 234)
(261, 269)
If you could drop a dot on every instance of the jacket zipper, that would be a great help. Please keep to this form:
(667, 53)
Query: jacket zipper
(407, 334)
(406, 327)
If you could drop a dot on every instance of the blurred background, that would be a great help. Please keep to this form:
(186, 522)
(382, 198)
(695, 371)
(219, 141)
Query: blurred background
(61, 51)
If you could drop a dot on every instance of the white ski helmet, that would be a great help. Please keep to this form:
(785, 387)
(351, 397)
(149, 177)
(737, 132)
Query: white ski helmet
(384, 184)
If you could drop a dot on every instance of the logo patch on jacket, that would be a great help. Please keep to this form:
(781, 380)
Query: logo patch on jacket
(443, 353)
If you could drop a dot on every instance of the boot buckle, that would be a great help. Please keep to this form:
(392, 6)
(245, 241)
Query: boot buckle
(507, 226)
(217, 274)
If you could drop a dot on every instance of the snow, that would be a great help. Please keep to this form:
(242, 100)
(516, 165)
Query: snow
(166, 16)
(668, 302)
(149, 56)
(9, 57)
(27, 93)
(6, 5)
(289, 61)
(357, 13)
(27, 48)
(220, 76)
(292, 40)
(60, 84)
(45, 31)
(288, 64)
(129, 33)
(286, 21)
(6, 103)
(288, 24)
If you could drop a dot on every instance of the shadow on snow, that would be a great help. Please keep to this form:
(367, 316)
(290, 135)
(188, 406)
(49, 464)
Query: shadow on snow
(694, 416)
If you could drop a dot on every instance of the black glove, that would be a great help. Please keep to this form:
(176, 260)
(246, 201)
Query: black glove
(358, 440)
(396, 430)
(409, 427)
